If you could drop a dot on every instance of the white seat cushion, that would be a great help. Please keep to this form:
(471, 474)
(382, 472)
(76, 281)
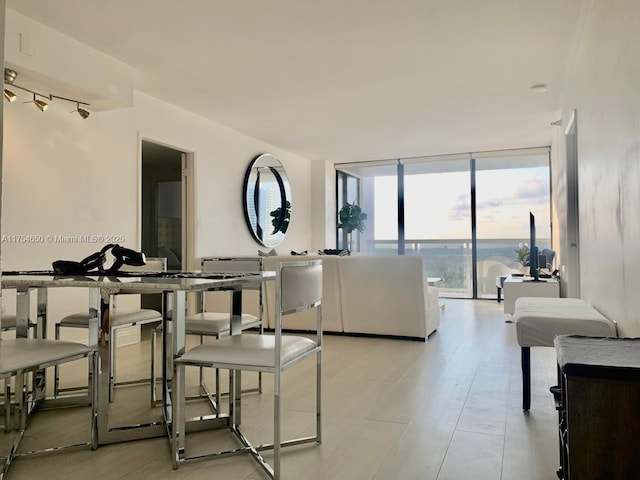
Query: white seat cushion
(539, 320)
(118, 317)
(215, 323)
(26, 353)
(251, 350)
(131, 317)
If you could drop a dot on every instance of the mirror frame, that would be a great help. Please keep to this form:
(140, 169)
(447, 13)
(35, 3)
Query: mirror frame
(251, 191)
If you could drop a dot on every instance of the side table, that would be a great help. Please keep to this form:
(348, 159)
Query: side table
(516, 287)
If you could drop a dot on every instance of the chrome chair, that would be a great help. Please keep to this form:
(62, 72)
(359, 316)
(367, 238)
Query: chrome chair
(216, 324)
(118, 318)
(21, 356)
(298, 287)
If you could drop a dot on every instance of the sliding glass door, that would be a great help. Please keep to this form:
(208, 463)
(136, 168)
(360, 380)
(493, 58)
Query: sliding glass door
(508, 187)
(437, 221)
(466, 214)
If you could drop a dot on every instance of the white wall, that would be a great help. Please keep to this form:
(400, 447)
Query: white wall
(323, 197)
(64, 176)
(604, 87)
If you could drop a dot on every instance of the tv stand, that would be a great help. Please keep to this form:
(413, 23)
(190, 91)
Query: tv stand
(516, 287)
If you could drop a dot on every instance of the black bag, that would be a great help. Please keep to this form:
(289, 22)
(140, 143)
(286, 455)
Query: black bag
(97, 260)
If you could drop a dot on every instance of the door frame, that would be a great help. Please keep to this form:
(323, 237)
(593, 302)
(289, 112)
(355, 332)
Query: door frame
(189, 241)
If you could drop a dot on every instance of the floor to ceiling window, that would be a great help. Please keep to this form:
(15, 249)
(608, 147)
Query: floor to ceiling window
(508, 187)
(437, 207)
(466, 214)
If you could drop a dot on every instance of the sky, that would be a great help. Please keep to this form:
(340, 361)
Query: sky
(437, 206)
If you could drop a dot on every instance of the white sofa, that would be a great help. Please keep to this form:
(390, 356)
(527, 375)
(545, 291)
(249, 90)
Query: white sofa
(380, 295)
(377, 295)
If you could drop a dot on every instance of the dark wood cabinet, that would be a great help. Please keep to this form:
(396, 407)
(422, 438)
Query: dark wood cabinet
(599, 407)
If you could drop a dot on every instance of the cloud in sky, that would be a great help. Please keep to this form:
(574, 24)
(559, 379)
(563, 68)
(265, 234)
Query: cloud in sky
(529, 190)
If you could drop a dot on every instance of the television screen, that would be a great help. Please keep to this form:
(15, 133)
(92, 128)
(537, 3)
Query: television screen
(533, 250)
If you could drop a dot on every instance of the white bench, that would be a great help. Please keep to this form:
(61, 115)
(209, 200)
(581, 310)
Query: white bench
(539, 320)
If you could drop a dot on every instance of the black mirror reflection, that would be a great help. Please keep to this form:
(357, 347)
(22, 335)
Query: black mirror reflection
(267, 200)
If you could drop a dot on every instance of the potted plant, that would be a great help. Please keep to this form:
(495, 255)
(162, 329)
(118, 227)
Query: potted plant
(522, 257)
(351, 217)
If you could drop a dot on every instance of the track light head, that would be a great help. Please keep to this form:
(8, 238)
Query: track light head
(10, 75)
(82, 112)
(9, 95)
(42, 106)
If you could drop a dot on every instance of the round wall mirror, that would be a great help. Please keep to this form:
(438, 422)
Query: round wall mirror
(267, 200)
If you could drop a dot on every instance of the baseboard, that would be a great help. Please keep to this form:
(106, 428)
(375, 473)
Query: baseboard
(356, 334)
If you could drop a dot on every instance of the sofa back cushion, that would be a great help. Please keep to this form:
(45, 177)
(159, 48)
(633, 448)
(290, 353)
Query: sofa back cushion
(384, 295)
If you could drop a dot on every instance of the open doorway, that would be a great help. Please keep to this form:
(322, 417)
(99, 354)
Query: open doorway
(163, 222)
(570, 268)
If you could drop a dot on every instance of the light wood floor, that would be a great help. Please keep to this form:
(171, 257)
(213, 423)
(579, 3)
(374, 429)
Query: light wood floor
(449, 408)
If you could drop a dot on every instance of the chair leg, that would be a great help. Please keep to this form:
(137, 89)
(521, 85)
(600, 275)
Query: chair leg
(7, 405)
(94, 385)
(217, 373)
(200, 370)
(178, 416)
(218, 404)
(319, 397)
(56, 369)
(152, 393)
(525, 360)
(112, 362)
(276, 424)
(22, 408)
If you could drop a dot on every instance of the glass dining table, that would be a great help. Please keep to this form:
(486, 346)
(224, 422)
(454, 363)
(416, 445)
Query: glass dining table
(174, 286)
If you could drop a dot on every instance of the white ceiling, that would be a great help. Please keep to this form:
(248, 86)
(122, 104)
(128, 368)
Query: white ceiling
(344, 80)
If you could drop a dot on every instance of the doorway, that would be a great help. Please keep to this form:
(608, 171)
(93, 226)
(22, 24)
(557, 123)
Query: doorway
(570, 268)
(163, 221)
(163, 205)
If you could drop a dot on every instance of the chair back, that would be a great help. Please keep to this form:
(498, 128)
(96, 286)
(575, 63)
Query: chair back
(298, 286)
(154, 264)
(234, 265)
(231, 265)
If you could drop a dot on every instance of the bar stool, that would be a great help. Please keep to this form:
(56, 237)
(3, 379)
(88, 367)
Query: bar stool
(118, 319)
(21, 356)
(298, 287)
(216, 324)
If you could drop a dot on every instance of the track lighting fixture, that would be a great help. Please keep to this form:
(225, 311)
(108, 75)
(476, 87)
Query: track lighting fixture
(10, 77)
(9, 95)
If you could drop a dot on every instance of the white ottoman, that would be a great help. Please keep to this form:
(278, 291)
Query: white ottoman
(539, 320)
